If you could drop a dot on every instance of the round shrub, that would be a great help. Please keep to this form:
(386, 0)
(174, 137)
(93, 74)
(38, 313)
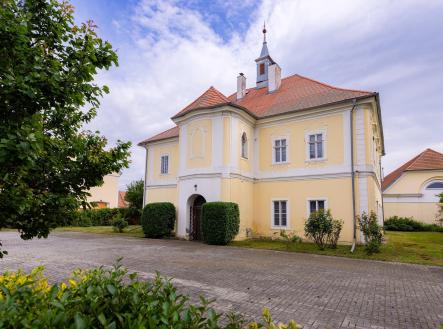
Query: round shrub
(220, 222)
(158, 219)
(119, 224)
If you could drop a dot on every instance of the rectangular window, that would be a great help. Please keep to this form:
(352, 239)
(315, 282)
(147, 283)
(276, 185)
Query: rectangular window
(164, 166)
(280, 213)
(316, 146)
(262, 68)
(315, 205)
(280, 150)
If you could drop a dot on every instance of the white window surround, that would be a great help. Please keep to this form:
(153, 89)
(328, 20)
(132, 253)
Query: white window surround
(324, 139)
(276, 138)
(308, 200)
(164, 173)
(279, 227)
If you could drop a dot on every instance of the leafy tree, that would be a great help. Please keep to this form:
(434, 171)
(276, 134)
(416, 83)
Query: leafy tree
(47, 93)
(134, 194)
(439, 215)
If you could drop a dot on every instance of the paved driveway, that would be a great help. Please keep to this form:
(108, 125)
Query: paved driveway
(316, 291)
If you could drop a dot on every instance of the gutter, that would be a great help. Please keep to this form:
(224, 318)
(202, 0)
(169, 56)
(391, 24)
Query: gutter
(354, 238)
(381, 191)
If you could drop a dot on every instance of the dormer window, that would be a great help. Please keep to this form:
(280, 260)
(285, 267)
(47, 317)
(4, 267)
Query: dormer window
(244, 146)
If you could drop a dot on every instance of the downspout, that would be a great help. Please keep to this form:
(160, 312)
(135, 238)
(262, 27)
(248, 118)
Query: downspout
(146, 177)
(381, 191)
(354, 239)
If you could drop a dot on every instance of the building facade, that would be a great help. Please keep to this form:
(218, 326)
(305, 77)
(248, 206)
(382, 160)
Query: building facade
(411, 190)
(105, 195)
(280, 150)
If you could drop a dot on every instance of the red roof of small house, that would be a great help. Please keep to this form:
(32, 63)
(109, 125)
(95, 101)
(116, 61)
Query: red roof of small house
(296, 93)
(426, 160)
(121, 199)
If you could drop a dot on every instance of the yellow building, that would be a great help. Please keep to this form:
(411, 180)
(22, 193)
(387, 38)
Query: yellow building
(411, 190)
(280, 149)
(106, 195)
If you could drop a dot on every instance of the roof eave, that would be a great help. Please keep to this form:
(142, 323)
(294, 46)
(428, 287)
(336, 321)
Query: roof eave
(177, 116)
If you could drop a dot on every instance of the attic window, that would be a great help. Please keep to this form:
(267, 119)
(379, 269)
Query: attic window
(435, 186)
(262, 68)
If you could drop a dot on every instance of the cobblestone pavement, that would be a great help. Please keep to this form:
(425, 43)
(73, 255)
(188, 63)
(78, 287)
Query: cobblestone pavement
(316, 291)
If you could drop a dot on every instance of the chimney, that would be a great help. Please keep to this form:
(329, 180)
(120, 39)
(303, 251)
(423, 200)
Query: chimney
(241, 86)
(274, 79)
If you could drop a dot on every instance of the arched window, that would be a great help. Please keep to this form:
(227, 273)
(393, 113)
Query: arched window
(244, 146)
(435, 186)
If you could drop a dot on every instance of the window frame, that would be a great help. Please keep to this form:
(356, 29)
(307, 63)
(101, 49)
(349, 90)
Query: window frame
(308, 135)
(165, 155)
(280, 138)
(280, 227)
(244, 149)
(261, 69)
(308, 204)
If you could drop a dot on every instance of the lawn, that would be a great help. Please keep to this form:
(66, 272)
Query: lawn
(131, 230)
(406, 247)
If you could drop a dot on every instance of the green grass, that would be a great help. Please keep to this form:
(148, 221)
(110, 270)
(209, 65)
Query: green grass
(407, 247)
(131, 230)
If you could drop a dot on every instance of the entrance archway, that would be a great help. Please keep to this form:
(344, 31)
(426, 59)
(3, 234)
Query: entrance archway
(195, 212)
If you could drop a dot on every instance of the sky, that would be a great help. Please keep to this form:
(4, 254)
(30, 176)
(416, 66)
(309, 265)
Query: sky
(172, 51)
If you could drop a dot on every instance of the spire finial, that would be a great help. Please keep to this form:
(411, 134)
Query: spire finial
(264, 31)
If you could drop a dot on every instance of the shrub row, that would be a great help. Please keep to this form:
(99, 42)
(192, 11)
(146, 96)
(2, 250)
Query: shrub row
(108, 298)
(104, 217)
(408, 224)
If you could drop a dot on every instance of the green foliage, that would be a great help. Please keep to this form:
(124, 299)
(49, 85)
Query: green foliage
(439, 214)
(108, 298)
(97, 217)
(323, 228)
(158, 219)
(408, 224)
(372, 232)
(289, 238)
(134, 194)
(119, 224)
(47, 92)
(220, 222)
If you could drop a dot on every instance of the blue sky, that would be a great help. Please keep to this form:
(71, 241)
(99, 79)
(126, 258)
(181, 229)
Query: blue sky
(171, 51)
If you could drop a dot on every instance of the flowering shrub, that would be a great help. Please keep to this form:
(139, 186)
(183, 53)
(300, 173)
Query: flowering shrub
(108, 298)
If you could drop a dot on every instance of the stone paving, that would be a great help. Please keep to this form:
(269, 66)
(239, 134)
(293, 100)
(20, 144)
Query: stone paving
(316, 291)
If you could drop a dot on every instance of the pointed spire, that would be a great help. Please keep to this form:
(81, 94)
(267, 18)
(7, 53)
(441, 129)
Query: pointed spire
(264, 50)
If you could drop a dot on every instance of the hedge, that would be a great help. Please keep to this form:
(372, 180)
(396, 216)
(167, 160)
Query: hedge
(109, 298)
(104, 216)
(220, 222)
(408, 224)
(158, 219)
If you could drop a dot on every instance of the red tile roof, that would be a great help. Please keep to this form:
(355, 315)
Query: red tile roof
(210, 98)
(295, 93)
(426, 160)
(170, 133)
(121, 199)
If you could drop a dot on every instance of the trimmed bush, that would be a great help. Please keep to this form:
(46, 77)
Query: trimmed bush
(119, 224)
(220, 222)
(109, 298)
(158, 219)
(408, 224)
(323, 228)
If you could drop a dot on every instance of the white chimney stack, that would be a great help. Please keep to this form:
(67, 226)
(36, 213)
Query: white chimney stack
(274, 79)
(241, 86)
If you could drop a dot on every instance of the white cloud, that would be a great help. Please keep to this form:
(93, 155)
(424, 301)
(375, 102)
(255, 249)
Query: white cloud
(171, 55)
